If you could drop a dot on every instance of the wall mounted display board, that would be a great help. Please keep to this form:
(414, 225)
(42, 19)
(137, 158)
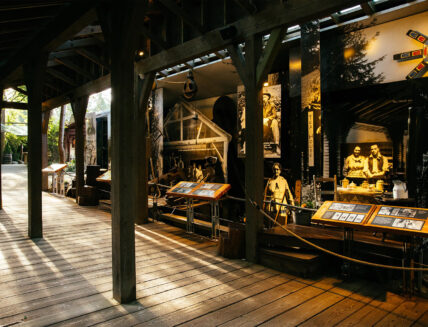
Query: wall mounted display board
(106, 177)
(202, 191)
(403, 220)
(343, 214)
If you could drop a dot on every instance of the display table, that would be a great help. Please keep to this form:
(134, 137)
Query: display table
(358, 194)
(200, 191)
(105, 178)
(407, 221)
(57, 173)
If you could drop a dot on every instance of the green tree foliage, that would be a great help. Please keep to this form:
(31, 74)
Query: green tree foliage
(53, 131)
(343, 60)
(13, 117)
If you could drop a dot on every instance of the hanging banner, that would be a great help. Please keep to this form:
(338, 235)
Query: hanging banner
(91, 139)
(271, 121)
(311, 155)
(311, 88)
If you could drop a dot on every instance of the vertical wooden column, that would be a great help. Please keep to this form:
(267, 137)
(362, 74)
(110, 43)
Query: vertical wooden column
(254, 146)
(1, 149)
(45, 126)
(79, 106)
(143, 90)
(253, 70)
(122, 22)
(61, 135)
(34, 72)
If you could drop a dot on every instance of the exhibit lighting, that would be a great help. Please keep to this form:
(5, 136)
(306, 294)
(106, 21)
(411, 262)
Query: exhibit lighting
(349, 53)
(295, 65)
(265, 84)
(139, 54)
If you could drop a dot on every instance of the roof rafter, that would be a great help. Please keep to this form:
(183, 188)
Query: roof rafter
(61, 76)
(177, 10)
(72, 18)
(289, 13)
(92, 57)
(74, 67)
(247, 6)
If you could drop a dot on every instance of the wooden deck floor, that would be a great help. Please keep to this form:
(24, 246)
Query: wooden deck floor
(65, 278)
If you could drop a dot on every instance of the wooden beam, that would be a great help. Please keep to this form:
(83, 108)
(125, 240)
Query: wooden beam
(79, 105)
(254, 147)
(14, 105)
(45, 126)
(238, 60)
(34, 72)
(123, 18)
(29, 5)
(335, 17)
(2, 113)
(288, 13)
(248, 6)
(80, 43)
(72, 18)
(61, 76)
(219, 55)
(78, 69)
(143, 91)
(155, 39)
(177, 10)
(89, 88)
(18, 89)
(92, 57)
(89, 30)
(368, 7)
(53, 87)
(269, 54)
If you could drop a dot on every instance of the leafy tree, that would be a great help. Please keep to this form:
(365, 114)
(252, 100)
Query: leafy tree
(343, 60)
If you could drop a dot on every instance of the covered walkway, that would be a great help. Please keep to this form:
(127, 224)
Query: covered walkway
(65, 278)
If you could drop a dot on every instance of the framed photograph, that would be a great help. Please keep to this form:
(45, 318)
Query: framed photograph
(271, 121)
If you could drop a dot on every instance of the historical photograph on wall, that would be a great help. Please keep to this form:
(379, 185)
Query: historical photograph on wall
(91, 139)
(271, 121)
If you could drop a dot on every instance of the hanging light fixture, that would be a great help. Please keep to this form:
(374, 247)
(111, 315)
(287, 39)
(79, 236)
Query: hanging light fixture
(190, 87)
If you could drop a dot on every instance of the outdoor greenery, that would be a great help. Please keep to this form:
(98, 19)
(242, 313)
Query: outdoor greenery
(13, 143)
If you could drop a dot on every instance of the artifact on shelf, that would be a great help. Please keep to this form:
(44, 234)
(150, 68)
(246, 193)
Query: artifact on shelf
(345, 183)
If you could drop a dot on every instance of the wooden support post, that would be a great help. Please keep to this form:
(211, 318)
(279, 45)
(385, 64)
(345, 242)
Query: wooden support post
(1, 149)
(254, 146)
(123, 22)
(45, 126)
(61, 135)
(34, 71)
(253, 70)
(143, 91)
(79, 106)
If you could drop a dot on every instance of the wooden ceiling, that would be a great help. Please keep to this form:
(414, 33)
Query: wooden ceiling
(70, 32)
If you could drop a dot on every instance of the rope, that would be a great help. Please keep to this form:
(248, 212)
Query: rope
(160, 185)
(256, 206)
(343, 257)
(299, 209)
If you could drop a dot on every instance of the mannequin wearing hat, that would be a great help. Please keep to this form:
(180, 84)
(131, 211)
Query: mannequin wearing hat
(270, 119)
(277, 189)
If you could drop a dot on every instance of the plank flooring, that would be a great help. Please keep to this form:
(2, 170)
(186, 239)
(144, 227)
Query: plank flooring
(65, 279)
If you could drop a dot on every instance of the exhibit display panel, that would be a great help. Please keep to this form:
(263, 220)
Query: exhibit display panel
(343, 213)
(194, 145)
(202, 191)
(402, 220)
